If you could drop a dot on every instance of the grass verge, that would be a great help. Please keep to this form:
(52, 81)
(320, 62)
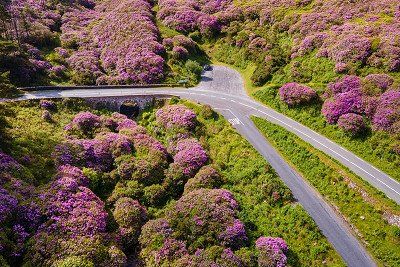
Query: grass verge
(362, 206)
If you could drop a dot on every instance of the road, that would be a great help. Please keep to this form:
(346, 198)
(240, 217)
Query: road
(223, 89)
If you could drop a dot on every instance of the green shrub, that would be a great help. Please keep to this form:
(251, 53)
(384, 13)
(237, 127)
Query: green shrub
(73, 261)
(154, 195)
(261, 75)
(6, 88)
(194, 67)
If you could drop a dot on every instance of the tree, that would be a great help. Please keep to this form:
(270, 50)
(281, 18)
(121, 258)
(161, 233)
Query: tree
(6, 88)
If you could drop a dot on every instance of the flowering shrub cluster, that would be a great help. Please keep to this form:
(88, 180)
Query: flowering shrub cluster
(352, 123)
(387, 115)
(33, 25)
(189, 16)
(206, 177)
(176, 116)
(350, 98)
(190, 156)
(19, 215)
(331, 28)
(202, 229)
(121, 47)
(295, 94)
(271, 251)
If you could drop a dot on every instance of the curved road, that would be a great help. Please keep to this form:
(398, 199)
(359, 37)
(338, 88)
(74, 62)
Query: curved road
(223, 89)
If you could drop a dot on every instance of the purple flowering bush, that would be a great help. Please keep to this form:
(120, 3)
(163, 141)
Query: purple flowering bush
(295, 94)
(190, 156)
(107, 52)
(84, 123)
(387, 115)
(176, 116)
(48, 105)
(352, 123)
(111, 176)
(271, 251)
(206, 177)
(344, 96)
(204, 214)
(189, 16)
(350, 98)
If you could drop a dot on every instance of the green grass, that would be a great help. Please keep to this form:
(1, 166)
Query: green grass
(253, 182)
(343, 190)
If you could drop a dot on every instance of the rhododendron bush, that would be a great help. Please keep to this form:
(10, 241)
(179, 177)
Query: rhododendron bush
(121, 46)
(189, 16)
(350, 98)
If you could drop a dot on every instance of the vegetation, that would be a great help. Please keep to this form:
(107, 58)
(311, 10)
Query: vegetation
(376, 147)
(368, 211)
(101, 162)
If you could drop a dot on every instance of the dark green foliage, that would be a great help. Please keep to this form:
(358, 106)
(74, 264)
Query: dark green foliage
(74, 261)
(100, 183)
(6, 88)
(4, 111)
(154, 195)
(261, 75)
(132, 189)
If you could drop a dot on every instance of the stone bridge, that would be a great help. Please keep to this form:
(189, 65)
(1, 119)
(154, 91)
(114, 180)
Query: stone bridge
(128, 105)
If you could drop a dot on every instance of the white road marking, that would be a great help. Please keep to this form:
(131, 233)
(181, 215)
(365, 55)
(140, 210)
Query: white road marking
(300, 131)
(234, 121)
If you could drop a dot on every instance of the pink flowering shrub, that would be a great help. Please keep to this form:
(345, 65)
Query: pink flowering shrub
(179, 52)
(188, 16)
(271, 251)
(20, 216)
(352, 123)
(206, 177)
(387, 115)
(190, 156)
(351, 97)
(73, 215)
(345, 41)
(345, 97)
(108, 52)
(176, 116)
(205, 213)
(48, 105)
(84, 123)
(187, 235)
(295, 94)
(343, 103)
(375, 84)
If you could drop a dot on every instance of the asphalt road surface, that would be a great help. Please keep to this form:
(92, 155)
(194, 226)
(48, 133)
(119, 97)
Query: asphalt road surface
(222, 88)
